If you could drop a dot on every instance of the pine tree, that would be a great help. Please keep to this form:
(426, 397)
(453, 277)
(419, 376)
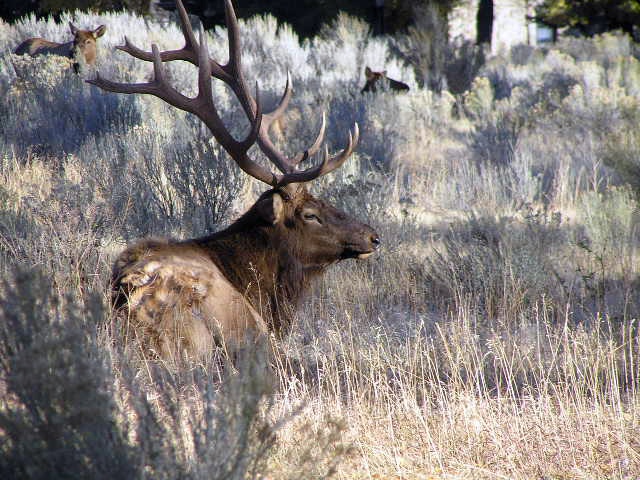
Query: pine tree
(591, 16)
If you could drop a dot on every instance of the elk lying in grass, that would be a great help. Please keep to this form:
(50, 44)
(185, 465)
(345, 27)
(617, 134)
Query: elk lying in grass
(83, 45)
(242, 282)
(376, 80)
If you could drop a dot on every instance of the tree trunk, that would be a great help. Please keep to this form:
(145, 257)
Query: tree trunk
(485, 22)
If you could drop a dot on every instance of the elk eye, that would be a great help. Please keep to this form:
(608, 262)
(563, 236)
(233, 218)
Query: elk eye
(311, 217)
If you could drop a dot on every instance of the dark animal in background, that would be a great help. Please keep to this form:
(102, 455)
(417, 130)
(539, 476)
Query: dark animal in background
(84, 44)
(379, 80)
(245, 281)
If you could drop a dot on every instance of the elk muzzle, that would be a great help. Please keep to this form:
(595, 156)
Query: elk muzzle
(363, 245)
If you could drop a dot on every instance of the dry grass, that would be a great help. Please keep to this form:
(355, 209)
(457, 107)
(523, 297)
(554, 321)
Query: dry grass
(549, 403)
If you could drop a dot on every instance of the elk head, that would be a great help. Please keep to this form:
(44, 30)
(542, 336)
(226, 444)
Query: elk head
(313, 231)
(375, 80)
(85, 43)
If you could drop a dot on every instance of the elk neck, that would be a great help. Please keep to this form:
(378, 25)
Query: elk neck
(261, 262)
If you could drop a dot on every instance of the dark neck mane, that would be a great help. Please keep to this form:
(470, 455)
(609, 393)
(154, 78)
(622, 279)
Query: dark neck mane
(259, 263)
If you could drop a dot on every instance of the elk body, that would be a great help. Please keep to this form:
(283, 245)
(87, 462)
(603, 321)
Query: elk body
(84, 44)
(376, 80)
(245, 281)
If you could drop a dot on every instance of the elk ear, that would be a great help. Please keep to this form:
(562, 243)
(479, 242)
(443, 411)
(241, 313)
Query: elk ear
(98, 32)
(73, 28)
(367, 72)
(271, 209)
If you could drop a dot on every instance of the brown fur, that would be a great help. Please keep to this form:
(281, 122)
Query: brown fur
(380, 79)
(237, 284)
(84, 43)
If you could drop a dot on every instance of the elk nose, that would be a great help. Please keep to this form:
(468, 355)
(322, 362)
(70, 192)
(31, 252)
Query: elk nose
(375, 241)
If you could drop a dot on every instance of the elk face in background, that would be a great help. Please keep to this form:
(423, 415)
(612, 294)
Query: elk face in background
(379, 80)
(83, 47)
(85, 44)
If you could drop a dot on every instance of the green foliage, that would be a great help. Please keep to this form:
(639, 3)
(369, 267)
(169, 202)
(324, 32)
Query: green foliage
(591, 16)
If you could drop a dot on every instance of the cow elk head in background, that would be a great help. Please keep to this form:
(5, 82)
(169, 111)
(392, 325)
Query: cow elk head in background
(379, 80)
(83, 47)
(244, 281)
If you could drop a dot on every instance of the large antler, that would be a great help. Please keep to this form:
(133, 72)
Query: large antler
(202, 105)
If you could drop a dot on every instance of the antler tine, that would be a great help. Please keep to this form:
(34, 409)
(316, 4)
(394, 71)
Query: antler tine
(161, 89)
(328, 165)
(157, 87)
(233, 33)
(277, 112)
(204, 70)
(188, 53)
(264, 142)
(166, 56)
(316, 145)
(284, 164)
(187, 30)
(158, 71)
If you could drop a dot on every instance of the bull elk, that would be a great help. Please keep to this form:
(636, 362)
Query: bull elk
(84, 44)
(377, 80)
(246, 280)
